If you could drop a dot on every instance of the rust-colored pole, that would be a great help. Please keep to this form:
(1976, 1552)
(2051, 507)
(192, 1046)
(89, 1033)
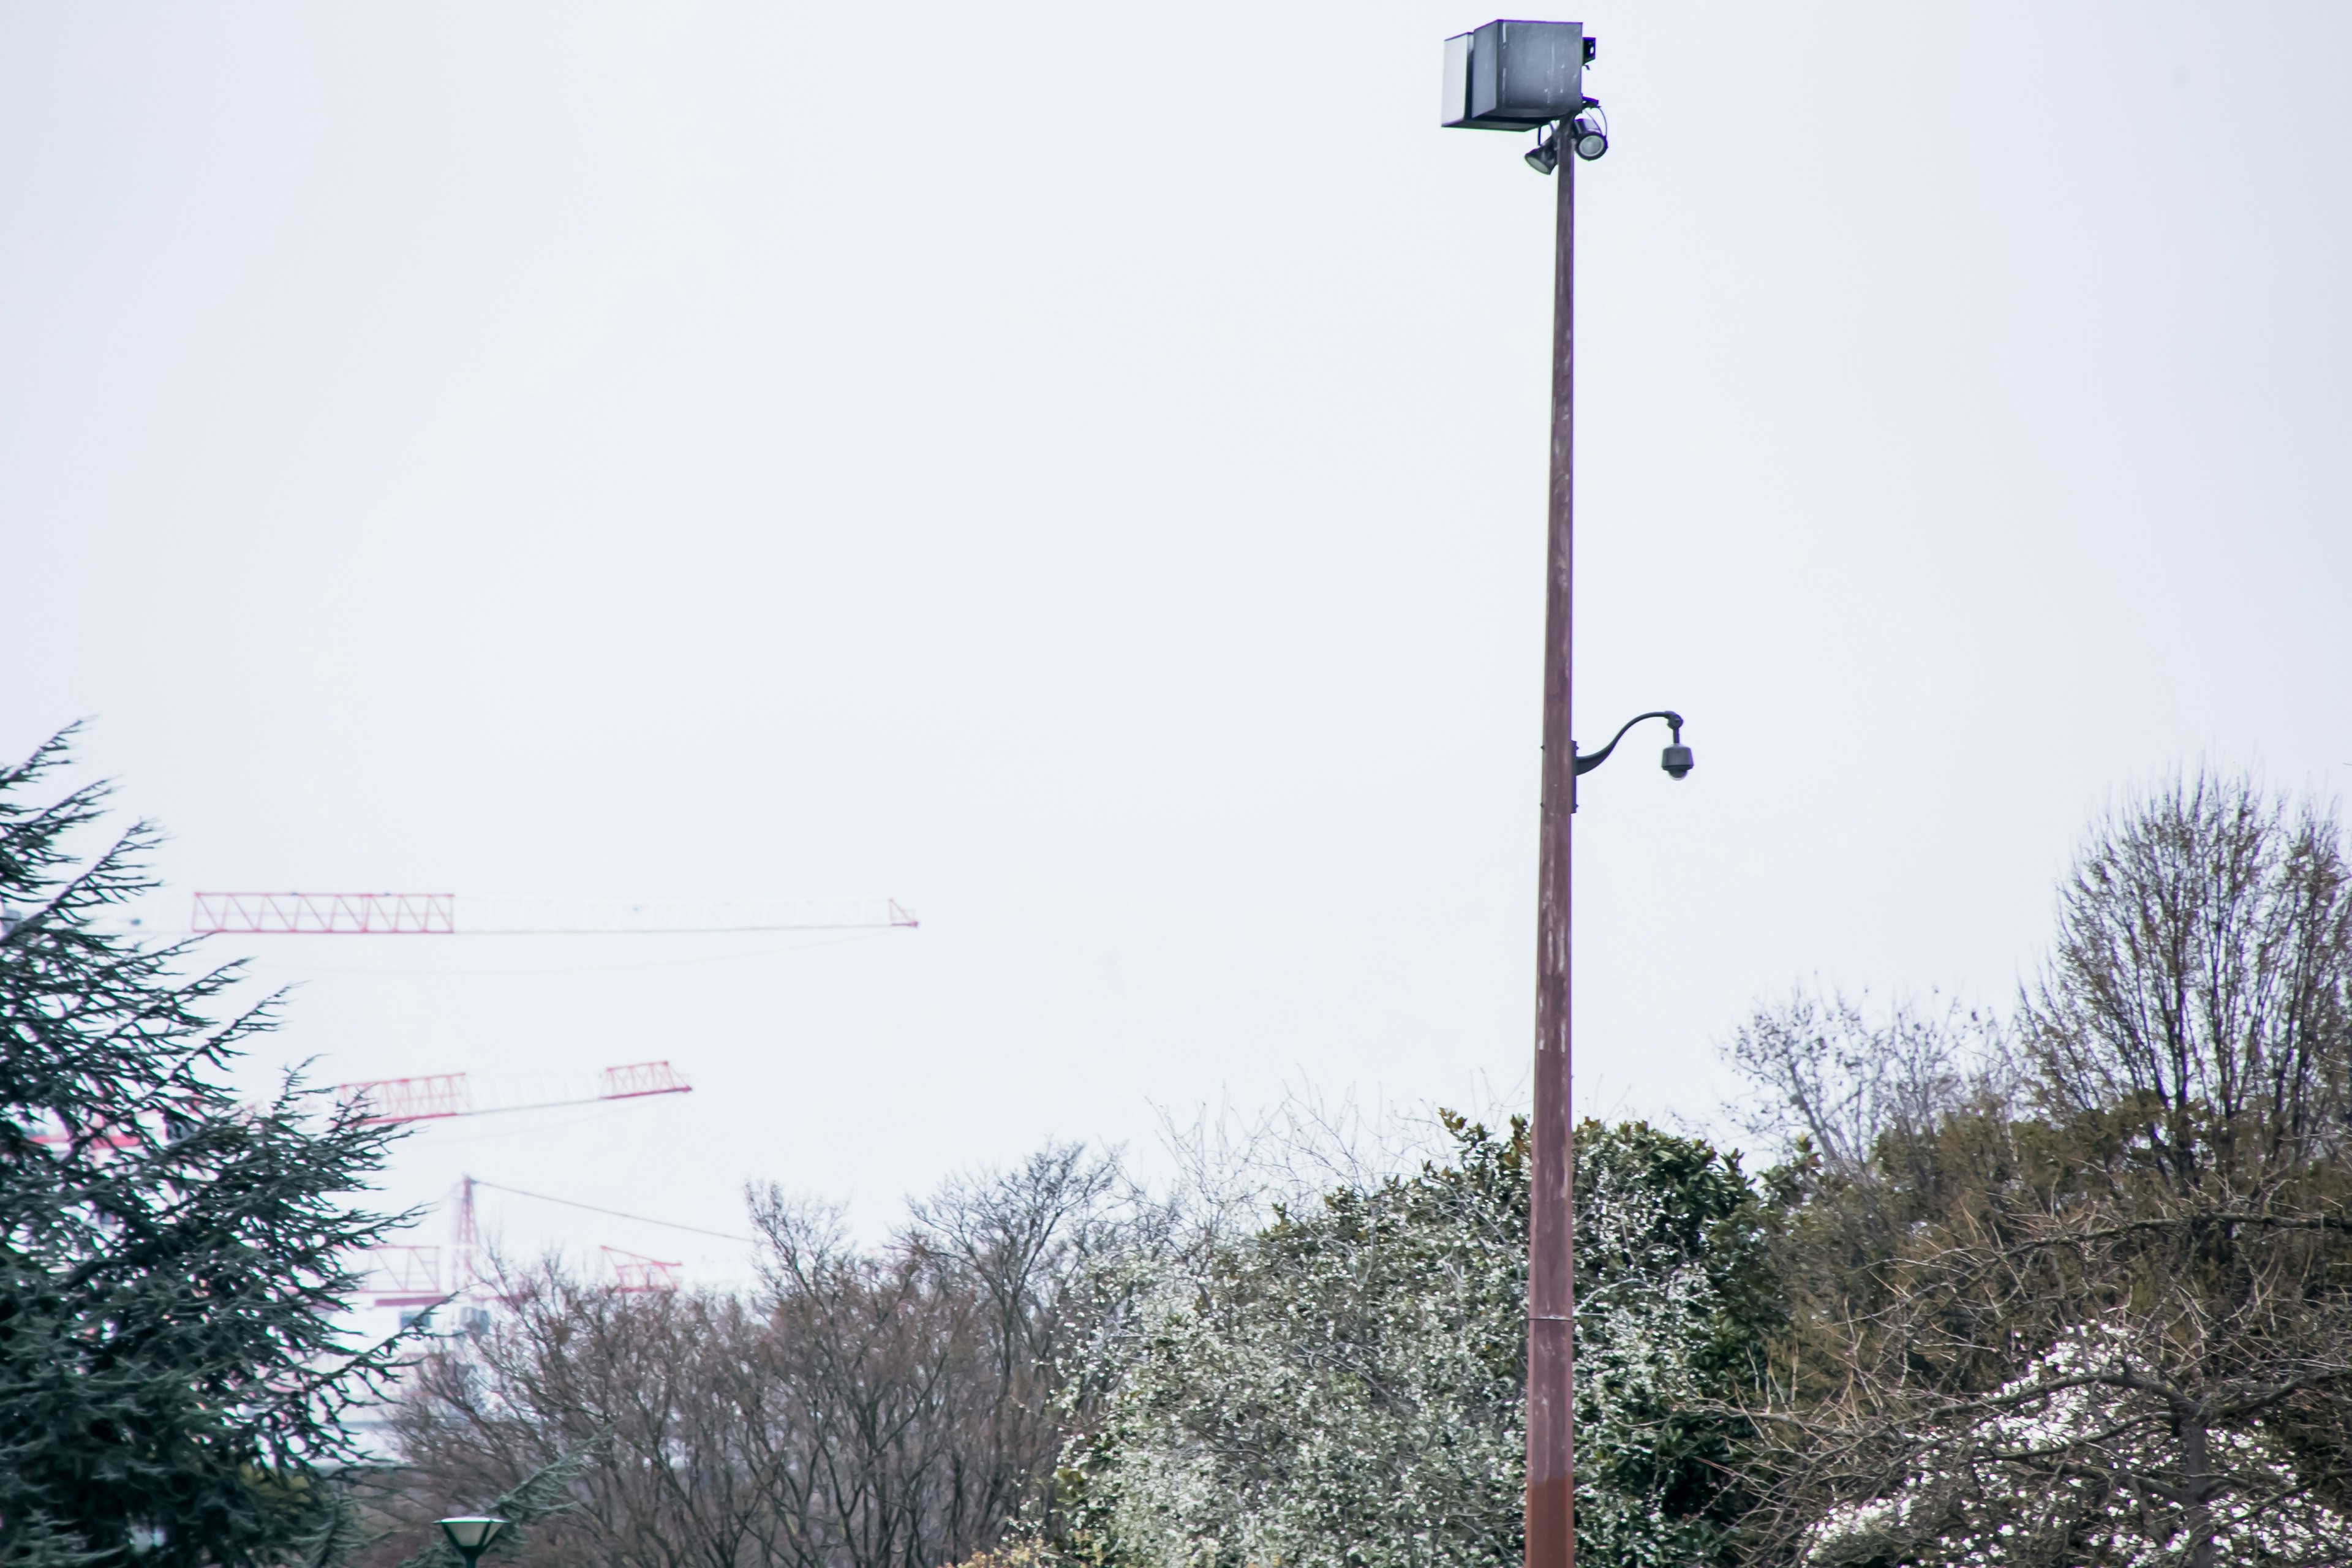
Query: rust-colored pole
(1551, 1220)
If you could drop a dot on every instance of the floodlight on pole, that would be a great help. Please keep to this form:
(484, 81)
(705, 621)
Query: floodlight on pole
(471, 1534)
(1590, 133)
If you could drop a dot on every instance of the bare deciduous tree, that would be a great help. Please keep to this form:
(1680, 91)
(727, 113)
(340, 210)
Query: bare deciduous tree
(2202, 978)
(2119, 1328)
(1840, 1079)
(677, 1393)
(884, 1408)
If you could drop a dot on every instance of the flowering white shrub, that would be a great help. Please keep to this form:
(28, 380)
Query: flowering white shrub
(2074, 1464)
(1671, 1308)
(1345, 1388)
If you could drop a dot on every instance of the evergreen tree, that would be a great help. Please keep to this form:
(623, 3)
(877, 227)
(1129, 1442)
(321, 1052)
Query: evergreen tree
(172, 1261)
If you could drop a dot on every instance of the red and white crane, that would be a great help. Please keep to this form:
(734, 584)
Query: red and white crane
(429, 1097)
(473, 914)
(412, 1276)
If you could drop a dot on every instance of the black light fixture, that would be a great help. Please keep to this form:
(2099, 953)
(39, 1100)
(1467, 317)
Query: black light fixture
(1676, 759)
(1588, 133)
(1544, 156)
(472, 1535)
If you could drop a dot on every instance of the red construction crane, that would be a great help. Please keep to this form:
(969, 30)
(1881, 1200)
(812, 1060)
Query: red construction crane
(409, 1276)
(471, 914)
(634, 1273)
(432, 1096)
(412, 1276)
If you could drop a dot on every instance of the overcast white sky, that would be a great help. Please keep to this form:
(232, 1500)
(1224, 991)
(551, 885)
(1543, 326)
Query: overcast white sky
(1078, 469)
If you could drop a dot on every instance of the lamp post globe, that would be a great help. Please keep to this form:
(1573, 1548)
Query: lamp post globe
(471, 1534)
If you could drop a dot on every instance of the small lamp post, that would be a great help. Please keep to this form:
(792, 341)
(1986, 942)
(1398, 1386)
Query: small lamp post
(472, 1535)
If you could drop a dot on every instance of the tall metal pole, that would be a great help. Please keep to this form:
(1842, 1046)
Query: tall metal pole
(1552, 1221)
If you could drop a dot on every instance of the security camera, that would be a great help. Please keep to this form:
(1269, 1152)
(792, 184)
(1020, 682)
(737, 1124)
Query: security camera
(1677, 761)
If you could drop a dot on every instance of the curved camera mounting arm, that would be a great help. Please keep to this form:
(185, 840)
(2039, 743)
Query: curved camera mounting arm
(1676, 759)
(1585, 764)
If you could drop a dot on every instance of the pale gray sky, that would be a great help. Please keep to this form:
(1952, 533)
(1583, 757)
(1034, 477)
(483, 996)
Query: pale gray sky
(1079, 470)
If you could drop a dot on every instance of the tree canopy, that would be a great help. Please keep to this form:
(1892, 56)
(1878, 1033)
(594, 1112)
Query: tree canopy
(2080, 1292)
(1347, 1385)
(171, 1257)
(2064, 1286)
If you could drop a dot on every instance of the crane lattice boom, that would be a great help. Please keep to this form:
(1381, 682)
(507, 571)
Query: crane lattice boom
(473, 914)
(431, 1096)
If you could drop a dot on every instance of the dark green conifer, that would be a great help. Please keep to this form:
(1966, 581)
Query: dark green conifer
(172, 1260)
